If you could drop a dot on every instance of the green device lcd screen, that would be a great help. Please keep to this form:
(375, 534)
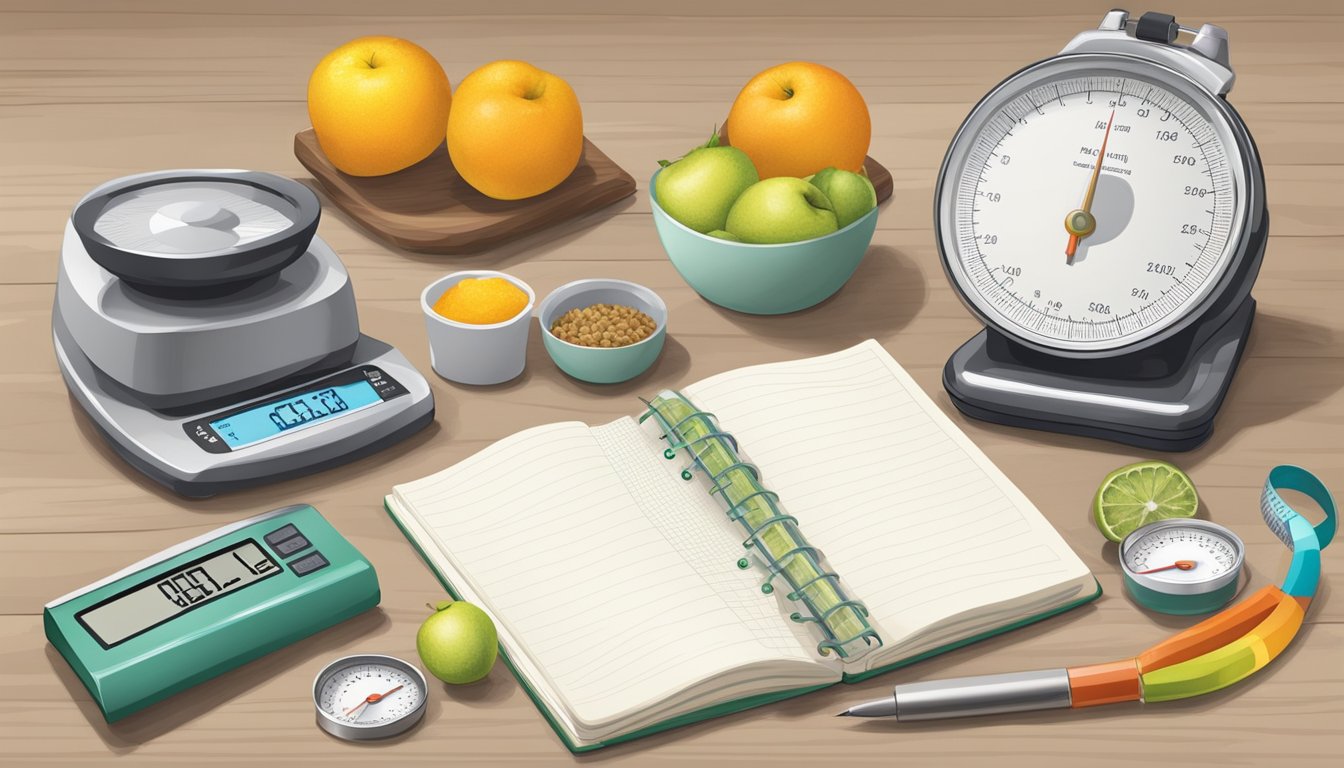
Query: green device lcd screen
(162, 598)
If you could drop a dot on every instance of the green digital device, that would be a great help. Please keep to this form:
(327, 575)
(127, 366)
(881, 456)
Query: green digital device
(203, 607)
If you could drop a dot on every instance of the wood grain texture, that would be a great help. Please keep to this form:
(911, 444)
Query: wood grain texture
(430, 208)
(93, 90)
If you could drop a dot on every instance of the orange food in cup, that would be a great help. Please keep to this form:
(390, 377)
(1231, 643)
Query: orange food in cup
(482, 301)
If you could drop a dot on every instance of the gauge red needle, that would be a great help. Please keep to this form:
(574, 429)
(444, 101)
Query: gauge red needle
(374, 698)
(1080, 223)
(1183, 565)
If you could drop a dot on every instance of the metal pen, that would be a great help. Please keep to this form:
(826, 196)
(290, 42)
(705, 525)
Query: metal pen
(967, 696)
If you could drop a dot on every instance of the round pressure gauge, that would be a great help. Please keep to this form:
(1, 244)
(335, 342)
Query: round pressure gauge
(1182, 566)
(369, 697)
(1093, 202)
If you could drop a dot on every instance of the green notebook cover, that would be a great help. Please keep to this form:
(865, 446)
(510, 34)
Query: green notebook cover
(729, 707)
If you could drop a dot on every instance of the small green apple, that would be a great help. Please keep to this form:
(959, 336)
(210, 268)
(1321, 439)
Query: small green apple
(851, 194)
(781, 210)
(458, 642)
(698, 189)
(723, 234)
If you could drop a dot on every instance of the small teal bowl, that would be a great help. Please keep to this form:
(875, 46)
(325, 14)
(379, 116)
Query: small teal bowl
(763, 279)
(602, 365)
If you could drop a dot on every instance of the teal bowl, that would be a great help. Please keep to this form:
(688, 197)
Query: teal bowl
(602, 365)
(763, 279)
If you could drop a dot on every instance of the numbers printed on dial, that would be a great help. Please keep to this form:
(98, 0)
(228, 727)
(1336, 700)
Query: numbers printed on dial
(1165, 205)
(360, 695)
(1212, 554)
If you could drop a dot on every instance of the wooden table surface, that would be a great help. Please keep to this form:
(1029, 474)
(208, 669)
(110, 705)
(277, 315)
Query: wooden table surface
(91, 91)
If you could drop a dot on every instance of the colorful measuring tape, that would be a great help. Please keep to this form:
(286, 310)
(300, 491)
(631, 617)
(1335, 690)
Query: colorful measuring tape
(1233, 644)
(1213, 654)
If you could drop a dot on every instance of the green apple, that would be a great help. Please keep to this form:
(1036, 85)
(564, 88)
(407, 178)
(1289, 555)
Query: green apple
(725, 235)
(851, 194)
(698, 189)
(457, 643)
(781, 210)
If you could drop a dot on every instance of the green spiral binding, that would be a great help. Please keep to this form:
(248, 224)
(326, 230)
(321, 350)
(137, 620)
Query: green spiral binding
(773, 534)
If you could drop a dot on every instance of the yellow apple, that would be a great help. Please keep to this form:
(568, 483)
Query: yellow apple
(378, 105)
(515, 131)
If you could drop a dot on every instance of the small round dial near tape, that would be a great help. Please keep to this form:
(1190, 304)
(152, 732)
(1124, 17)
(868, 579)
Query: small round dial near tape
(1182, 566)
(369, 697)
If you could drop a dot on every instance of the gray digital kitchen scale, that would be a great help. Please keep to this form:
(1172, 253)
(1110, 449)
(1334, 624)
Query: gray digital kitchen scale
(213, 338)
(1103, 213)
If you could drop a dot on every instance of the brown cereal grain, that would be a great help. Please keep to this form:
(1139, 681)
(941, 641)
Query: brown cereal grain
(604, 325)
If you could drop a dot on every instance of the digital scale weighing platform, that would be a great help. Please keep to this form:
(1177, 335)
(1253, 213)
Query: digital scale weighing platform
(213, 338)
(1103, 213)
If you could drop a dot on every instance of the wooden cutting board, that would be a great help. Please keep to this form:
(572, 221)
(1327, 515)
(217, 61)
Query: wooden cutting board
(880, 176)
(430, 208)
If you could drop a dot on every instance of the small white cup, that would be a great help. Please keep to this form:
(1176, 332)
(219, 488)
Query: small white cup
(476, 354)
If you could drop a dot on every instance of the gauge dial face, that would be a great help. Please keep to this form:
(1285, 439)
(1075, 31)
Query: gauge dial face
(1165, 213)
(369, 694)
(1211, 554)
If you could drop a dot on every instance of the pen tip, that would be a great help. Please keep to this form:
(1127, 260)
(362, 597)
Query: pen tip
(843, 714)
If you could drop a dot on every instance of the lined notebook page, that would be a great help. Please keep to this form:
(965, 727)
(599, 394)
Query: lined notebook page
(549, 536)
(697, 525)
(915, 519)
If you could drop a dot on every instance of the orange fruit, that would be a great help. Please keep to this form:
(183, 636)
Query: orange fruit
(796, 119)
(378, 105)
(515, 131)
(482, 301)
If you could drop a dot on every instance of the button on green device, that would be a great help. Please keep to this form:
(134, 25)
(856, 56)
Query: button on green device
(208, 605)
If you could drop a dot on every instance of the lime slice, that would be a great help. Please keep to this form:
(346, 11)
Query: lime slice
(1134, 496)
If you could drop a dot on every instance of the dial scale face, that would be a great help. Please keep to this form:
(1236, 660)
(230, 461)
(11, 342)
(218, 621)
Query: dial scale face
(1167, 204)
(369, 694)
(1212, 554)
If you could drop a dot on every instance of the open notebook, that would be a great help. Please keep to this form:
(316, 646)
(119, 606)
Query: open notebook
(616, 578)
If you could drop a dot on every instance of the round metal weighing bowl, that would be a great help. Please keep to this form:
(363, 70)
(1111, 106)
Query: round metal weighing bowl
(146, 261)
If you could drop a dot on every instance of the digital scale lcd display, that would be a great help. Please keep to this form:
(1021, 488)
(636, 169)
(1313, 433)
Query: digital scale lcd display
(169, 595)
(280, 416)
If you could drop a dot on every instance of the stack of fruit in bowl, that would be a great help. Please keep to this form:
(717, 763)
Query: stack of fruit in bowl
(777, 219)
(379, 105)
